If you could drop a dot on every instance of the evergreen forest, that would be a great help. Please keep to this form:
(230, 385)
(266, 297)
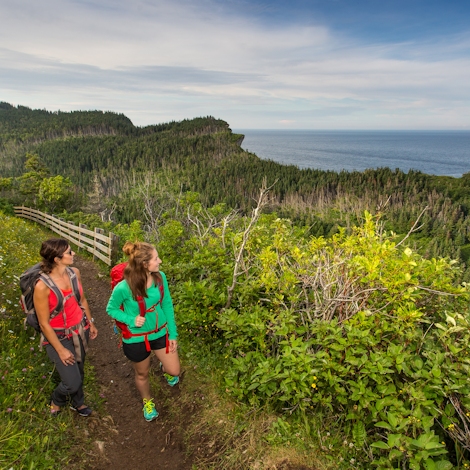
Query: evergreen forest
(105, 156)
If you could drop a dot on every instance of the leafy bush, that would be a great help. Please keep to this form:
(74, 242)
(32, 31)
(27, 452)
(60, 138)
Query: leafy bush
(358, 328)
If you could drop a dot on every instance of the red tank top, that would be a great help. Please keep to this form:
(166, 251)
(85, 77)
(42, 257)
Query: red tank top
(73, 311)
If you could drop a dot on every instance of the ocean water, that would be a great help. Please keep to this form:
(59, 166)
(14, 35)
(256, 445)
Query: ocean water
(431, 152)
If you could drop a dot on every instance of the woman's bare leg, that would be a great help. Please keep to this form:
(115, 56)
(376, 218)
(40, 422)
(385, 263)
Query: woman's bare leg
(142, 377)
(170, 361)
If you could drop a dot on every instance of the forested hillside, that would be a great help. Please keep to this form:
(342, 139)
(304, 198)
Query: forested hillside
(118, 166)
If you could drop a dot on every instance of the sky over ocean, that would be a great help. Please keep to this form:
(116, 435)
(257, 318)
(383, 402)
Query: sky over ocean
(302, 64)
(437, 153)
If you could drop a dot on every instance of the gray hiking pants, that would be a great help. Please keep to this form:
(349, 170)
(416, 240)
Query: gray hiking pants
(71, 385)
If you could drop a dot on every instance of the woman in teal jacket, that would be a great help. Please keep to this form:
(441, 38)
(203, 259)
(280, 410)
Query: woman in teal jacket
(156, 331)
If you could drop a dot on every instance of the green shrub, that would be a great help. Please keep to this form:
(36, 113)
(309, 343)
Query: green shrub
(358, 328)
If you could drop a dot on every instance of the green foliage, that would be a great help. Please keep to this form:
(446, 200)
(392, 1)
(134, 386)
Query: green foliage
(30, 182)
(6, 208)
(28, 436)
(6, 183)
(356, 327)
(55, 193)
(107, 157)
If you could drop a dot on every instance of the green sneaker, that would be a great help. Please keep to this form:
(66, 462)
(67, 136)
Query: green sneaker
(172, 380)
(150, 413)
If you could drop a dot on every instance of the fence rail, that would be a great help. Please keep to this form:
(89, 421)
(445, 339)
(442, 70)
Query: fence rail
(103, 247)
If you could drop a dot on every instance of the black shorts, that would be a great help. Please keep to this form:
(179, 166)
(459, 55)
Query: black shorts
(136, 352)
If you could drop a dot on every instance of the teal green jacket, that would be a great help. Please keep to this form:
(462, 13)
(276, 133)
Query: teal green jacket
(164, 312)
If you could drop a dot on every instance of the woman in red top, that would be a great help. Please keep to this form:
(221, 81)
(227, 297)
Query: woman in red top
(66, 335)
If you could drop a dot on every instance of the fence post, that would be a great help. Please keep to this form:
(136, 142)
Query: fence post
(95, 242)
(80, 235)
(114, 247)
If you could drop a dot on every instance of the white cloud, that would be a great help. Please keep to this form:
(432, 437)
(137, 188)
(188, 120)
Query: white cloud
(175, 59)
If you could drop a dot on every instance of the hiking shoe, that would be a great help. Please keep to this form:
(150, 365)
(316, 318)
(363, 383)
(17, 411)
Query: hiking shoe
(83, 411)
(150, 413)
(172, 380)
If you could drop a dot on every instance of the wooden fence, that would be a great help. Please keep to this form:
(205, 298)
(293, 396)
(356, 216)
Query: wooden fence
(103, 247)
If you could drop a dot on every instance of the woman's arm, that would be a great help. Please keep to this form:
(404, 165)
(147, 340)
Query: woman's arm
(86, 308)
(41, 305)
(121, 295)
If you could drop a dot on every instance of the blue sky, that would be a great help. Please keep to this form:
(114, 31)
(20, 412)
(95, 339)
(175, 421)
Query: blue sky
(297, 64)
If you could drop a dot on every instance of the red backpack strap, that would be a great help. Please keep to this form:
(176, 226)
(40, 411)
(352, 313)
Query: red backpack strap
(162, 291)
(74, 283)
(142, 308)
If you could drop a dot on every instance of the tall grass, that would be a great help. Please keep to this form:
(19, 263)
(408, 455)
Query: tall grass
(29, 437)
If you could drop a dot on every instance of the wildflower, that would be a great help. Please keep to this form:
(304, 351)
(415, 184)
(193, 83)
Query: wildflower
(31, 348)
(451, 426)
(9, 410)
(314, 385)
(43, 377)
(24, 369)
(10, 331)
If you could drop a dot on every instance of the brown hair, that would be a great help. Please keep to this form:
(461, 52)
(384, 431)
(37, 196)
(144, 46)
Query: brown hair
(51, 249)
(135, 274)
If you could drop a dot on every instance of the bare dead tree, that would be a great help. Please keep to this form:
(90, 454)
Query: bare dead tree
(414, 228)
(239, 267)
(107, 213)
(204, 222)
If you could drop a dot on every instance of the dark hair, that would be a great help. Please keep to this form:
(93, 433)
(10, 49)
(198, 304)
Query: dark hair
(50, 250)
(135, 274)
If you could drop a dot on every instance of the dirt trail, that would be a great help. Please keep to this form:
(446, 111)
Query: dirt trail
(127, 440)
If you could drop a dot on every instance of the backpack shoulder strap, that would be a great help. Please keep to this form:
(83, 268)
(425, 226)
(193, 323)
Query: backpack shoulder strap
(161, 288)
(58, 293)
(74, 282)
(142, 308)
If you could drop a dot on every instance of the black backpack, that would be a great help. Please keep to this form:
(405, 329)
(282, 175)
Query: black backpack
(28, 282)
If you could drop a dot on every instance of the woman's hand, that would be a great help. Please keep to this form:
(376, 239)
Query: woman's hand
(93, 331)
(139, 321)
(173, 345)
(66, 356)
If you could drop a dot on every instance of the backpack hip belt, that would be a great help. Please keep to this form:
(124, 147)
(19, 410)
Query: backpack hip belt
(146, 336)
(73, 332)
